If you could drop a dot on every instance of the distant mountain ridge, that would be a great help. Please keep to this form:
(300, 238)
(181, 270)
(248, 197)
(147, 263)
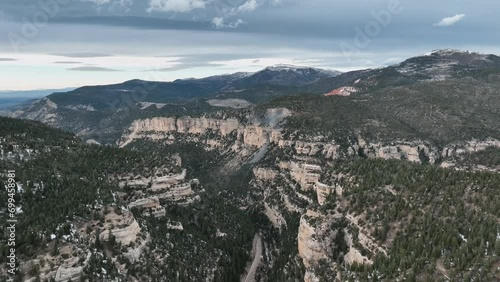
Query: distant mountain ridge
(458, 88)
(182, 90)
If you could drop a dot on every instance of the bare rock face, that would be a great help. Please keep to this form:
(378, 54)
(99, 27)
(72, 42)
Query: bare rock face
(354, 255)
(65, 274)
(124, 227)
(255, 135)
(151, 202)
(144, 128)
(275, 116)
(310, 277)
(274, 216)
(304, 148)
(323, 190)
(398, 152)
(159, 183)
(43, 110)
(328, 150)
(342, 91)
(469, 147)
(135, 253)
(310, 249)
(305, 174)
(177, 192)
(265, 173)
(158, 124)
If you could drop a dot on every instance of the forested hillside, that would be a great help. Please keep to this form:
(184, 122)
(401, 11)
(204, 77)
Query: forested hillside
(69, 192)
(435, 222)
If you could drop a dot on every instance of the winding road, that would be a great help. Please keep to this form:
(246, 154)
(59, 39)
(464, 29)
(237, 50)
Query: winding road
(257, 255)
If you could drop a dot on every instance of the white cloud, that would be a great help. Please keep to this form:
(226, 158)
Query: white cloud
(98, 2)
(450, 20)
(226, 9)
(180, 6)
(218, 22)
(249, 6)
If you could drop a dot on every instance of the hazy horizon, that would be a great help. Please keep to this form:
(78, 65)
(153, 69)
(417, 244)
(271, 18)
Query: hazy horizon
(62, 43)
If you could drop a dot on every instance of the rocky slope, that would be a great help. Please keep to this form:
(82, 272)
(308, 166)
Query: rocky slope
(335, 185)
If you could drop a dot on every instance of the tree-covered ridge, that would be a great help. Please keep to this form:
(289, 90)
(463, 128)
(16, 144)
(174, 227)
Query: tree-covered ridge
(436, 222)
(489, 158)
(32, 134)
(65, 183)
(69, 183)
(441, 112)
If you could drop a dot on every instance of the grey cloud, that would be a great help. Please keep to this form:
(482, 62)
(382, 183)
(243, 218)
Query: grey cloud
(189, 61)
(67, 62)
(83, 55)
(7, 59)
(183, 66)
(137, 22)
(92, 69)
(293, 29)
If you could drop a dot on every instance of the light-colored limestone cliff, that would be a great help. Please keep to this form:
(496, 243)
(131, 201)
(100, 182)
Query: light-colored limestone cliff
(254, 135)
(310, 277)
(177, 192)
(265, 173)
(151, 202)
(310, 249)
(143, 128)
(124, 227)
(323, 190)
(305, 174)
(65, 274)
(159, 183)
(469, 146)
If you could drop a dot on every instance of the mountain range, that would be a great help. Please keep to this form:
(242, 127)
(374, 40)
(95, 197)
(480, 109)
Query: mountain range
(429, 94)
(286, 174)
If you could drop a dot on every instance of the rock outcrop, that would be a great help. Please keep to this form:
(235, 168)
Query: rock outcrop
(254, 135)
(305, 174)
(322, 191)
(265, 173)
(123, 227)
(142, 128)
(151, 202)
(310, 249)
(177, 192)
(342, 91)
(65, 274)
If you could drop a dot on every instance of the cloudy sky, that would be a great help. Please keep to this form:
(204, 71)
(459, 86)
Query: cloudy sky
(51, 44)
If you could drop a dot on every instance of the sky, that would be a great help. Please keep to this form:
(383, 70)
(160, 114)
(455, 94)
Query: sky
(51, 44)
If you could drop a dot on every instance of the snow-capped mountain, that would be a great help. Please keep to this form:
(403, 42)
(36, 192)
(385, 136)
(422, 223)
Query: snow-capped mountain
(288, 75)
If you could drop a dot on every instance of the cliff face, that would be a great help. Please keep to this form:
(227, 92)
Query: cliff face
(254, 135)
(124, 227)
(287, 185)
(310, 249)
(257, 133)
(265, 173)
(323, 190)
(201, 125)
(142, 128)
